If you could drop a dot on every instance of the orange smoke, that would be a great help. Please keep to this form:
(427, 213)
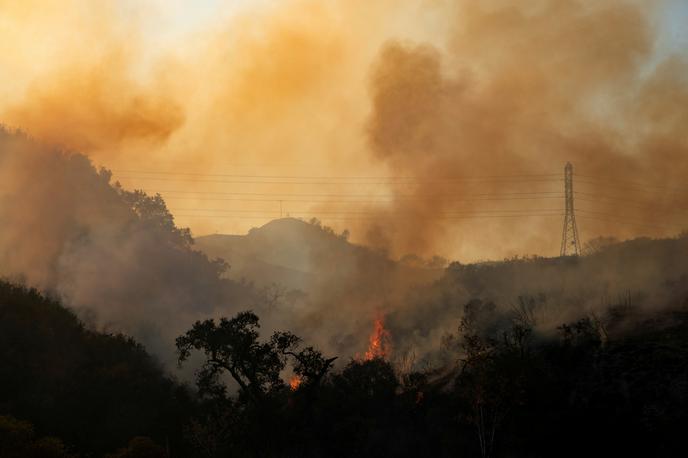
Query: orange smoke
(295, 382)
(435, 95)
(380, 345)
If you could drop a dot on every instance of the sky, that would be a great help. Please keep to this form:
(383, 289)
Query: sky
(240, 111)
(675, 25)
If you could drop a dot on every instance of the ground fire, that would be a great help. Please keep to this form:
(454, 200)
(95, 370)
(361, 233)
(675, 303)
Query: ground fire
(295, 382)
(380, 344)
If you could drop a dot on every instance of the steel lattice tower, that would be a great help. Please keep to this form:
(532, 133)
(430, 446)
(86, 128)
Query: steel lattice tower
(570, 242)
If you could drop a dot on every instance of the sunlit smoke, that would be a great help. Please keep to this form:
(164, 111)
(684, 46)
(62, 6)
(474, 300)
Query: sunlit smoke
(423, 90)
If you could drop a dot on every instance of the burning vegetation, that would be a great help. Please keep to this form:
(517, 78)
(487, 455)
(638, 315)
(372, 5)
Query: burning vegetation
(380, 342)
(295, 382)
(450, 128)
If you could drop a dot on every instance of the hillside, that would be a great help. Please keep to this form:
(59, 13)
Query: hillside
(351, 285)
(114, 255)
(644, 275)
(304, 256)
(94, 391)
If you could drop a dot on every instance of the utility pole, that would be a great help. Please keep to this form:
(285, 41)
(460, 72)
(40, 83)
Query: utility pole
(570, 242)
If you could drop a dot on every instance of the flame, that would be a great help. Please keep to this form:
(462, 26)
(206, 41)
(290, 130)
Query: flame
(380, 345)
(295, 382)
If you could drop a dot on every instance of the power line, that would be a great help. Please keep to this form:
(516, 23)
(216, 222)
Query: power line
(637, 189)
(385, 179)
(369, 218)
(263, 217)
(381, 214)
(350, 201)
(335, 182)
(315, 198)
(632, 223)
(330, 177)
(612, 215)
(610, 200)
(395, 195)
(633, 183)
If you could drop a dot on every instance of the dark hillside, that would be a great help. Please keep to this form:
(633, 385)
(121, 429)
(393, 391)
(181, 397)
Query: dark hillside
(95, 391)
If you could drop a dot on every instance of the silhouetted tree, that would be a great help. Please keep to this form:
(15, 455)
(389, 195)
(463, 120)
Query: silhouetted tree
(232, 346)
(489, 384)
(368, 381)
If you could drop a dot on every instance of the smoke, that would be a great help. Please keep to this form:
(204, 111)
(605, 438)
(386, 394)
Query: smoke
(523, 89)
(74, 78)
(617, 287)
(113, 255)
(454, 101)
(422, 90)
(277, 88)
(102, 108)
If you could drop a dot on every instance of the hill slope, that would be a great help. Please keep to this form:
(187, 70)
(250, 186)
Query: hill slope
(644, 274)
(95, 391)
(113, 254)
(300, 255)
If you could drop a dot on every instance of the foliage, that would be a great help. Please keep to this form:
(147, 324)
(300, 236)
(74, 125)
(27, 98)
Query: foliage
(18, 440)
(232, 346)
(95, 391)
(616, 378)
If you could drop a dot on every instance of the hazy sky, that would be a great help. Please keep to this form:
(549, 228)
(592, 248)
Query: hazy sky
(246, 109)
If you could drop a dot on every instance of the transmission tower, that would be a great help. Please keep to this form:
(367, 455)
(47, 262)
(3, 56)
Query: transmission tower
(570, 242)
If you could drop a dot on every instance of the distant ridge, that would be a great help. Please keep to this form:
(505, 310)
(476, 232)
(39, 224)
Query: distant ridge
(296, 254)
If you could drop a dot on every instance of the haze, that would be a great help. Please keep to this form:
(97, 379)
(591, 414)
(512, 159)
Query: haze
(302, 89)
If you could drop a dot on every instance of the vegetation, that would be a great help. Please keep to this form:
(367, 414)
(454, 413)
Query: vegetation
(614, 385)
(94, 391)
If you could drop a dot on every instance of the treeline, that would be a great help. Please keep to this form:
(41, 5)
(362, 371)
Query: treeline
(613, 385)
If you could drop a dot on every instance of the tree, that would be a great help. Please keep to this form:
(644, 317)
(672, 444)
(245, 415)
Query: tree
(17, 439)
(368, 381)
(311, 366)
(232, 346)
(153, 211)
(490, 382)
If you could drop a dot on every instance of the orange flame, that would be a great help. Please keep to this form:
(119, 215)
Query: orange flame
(295, 382)
(380, 345)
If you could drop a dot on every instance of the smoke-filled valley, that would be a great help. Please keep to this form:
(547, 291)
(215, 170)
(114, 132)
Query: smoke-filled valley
(334, 228)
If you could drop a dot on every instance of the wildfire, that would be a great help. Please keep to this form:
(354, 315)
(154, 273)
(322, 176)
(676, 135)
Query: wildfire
(380, 345)
(295, 382)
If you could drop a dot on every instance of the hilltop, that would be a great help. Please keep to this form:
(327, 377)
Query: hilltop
(303, 256)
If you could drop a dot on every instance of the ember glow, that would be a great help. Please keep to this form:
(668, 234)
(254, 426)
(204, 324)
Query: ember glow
(380, 345)
(295, 382)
